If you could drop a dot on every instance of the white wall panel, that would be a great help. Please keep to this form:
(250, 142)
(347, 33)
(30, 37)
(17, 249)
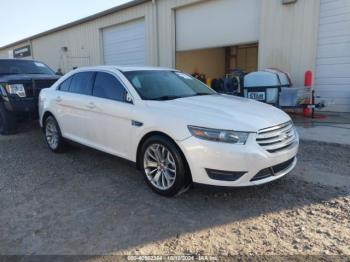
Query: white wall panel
(288, 37)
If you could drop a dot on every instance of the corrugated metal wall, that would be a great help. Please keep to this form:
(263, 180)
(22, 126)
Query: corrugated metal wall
(84, 41)
(288, 36)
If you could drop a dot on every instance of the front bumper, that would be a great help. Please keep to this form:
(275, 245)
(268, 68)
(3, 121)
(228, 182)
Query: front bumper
(250, 159)
(22, 105)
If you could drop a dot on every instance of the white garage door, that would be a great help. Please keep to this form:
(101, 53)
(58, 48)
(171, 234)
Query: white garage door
(217, 23)
(333, 60)
(125, 44)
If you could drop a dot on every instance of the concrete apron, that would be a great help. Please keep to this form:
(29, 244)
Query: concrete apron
(331, 128)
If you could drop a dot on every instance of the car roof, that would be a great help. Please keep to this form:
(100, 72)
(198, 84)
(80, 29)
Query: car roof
(108, 67)
(19, 59)
(126, 68)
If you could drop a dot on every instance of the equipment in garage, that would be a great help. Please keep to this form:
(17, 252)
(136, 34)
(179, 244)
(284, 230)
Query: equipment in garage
(266, 86)
(231, 84)
(200, 77)
(124, 44)
(223, 67)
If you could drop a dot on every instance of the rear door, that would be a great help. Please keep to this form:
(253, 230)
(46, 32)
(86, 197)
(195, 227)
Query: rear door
(111, 116)
(73, 106)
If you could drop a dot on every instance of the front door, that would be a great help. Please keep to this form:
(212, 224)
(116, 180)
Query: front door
(110, 115)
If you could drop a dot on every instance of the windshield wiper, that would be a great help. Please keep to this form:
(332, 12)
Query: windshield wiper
(203, 94)
(164, 98)
(200, 94)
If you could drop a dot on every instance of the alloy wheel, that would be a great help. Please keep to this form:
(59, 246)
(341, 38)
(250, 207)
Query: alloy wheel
(51, 133)
(160, 166)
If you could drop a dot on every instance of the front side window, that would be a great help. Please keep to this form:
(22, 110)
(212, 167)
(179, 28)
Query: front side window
(82, 83)
(107, 86)
(166, 85)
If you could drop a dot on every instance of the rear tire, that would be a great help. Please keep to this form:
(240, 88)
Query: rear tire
(53, 135)
(163, 166)
(8, 122)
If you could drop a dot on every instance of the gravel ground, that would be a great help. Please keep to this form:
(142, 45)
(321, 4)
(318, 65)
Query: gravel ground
(87, 202)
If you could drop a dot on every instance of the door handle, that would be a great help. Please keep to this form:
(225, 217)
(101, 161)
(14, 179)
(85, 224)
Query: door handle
(58, 99)
(91, 105)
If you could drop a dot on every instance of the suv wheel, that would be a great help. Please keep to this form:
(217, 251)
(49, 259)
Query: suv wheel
(163, 166)
(53, 135)
(7, 121)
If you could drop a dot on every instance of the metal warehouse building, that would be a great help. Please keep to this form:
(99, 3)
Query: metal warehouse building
(211, 37)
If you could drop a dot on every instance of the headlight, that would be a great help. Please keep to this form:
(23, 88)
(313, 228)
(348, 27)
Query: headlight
(225, 136)
(16, 89)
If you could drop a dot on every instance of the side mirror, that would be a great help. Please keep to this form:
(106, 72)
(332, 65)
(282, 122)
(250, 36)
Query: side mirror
(128, 98)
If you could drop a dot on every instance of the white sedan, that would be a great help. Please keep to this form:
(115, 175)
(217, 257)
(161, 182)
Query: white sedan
(176, 129)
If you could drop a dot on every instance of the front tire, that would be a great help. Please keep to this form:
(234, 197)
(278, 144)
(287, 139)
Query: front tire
(163, 166)
(8, 122)
(53, 135)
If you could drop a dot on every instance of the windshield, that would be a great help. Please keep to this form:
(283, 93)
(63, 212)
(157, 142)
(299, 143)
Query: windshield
(166, 85)
(13, 67)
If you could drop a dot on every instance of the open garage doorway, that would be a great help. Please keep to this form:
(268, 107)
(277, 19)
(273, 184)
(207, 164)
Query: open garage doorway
(217, 63)
(212, 38)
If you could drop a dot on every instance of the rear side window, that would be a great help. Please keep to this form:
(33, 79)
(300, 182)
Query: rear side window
(65, 85)
(107, 86)
(82, 83)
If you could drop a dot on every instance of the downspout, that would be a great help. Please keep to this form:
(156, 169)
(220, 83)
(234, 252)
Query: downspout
(154, 2)
(31, 49)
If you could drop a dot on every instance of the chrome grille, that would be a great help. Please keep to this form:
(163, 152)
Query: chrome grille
(277, 138)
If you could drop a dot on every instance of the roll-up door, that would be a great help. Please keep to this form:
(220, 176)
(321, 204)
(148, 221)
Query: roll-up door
(333, 59)
(217, 23)
(125, 44)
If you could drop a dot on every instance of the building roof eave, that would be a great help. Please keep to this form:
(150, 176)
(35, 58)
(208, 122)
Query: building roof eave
(77, 22)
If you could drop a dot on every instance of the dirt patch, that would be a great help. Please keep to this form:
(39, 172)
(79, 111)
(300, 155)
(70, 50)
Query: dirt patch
(87, 202)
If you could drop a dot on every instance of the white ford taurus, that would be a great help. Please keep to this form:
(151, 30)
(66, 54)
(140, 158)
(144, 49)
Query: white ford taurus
(175, 128)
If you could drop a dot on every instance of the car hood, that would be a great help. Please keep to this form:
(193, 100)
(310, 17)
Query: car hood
(26, 77)
(222, 111)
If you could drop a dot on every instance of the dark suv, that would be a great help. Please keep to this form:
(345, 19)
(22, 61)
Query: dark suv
(20, 85)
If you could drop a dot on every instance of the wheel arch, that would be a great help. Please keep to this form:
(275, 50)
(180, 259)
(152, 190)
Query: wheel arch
(158, 133)
(45, 116)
